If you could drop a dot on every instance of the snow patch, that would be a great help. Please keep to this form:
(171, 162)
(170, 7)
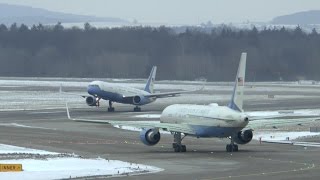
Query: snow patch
(129, 128)
(9, 149)
(59, 168)
(151, 116)
(53, 165)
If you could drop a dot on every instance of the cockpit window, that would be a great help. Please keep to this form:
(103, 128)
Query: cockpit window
(94, 86)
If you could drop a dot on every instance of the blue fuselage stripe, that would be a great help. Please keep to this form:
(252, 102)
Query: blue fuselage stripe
(213, 131)
(115, 97)
(105, 95)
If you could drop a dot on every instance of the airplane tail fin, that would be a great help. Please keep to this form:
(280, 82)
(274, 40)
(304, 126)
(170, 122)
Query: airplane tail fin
(236, 102)
(150, 81)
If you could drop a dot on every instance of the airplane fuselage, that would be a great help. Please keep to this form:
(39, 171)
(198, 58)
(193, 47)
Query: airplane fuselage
(206, 120)
(117, 93)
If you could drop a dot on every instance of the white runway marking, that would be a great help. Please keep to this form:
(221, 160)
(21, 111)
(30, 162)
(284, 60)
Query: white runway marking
(24, 126)
(47, 112)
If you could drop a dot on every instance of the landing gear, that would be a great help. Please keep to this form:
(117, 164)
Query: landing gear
(98, 102)
(232, 147)
(177, 146)
(110, 108)
(137, 109)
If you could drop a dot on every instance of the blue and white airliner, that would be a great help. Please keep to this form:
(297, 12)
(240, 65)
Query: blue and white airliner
(206, 121)
(113, 92)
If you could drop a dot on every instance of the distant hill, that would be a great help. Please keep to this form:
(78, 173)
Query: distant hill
(303, 18)
(29, 16)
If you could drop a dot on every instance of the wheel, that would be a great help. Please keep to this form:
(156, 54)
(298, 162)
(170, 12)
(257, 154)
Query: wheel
(235, 148)
(174, 145)
(177, 149)
(229, 148)
(137, 109)
(111, 109)
(183, 148)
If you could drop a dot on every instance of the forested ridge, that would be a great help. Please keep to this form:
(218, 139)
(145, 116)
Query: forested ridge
(130, 52)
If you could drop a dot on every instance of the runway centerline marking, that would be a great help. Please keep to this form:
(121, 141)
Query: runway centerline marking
(47, 112)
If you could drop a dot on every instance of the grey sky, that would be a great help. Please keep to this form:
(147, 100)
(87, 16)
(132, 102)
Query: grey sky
(177, 11)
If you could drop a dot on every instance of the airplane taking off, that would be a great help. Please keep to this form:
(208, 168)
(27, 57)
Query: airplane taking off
(205, 121)
(124, 94)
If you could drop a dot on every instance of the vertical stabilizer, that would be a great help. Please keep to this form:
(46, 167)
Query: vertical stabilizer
(237, 96)
(150, 81)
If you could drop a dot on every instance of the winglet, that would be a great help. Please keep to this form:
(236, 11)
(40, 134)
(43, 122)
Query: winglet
(68, 113)
(236, 102)
(150, 81)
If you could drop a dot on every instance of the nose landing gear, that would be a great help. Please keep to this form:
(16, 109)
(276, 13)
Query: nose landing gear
(110, 108)
(137, 109)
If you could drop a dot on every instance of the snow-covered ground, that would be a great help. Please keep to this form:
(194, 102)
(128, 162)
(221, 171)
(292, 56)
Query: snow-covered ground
(148, 116)
(27, 99)
(51, 165)
(8, 149)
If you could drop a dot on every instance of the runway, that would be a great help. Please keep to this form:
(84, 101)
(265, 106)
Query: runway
(49, 129)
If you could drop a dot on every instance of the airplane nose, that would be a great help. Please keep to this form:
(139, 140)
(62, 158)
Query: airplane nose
(246, 119)
(93, 90)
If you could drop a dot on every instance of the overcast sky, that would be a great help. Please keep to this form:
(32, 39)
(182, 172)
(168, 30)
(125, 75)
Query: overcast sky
(177, 11)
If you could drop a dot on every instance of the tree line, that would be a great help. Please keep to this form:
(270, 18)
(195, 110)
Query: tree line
(130, 52)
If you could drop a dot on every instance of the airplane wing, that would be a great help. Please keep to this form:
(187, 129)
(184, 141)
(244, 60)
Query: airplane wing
(164, 126)
(277, 119)
(296, 114)
(277, 123)
(82, 95)
(257, 118)
(170, 94)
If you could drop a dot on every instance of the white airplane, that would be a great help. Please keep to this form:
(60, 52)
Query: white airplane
(124, 94)
(205, 121)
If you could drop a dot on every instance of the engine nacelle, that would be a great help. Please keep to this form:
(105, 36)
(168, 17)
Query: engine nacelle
(141, 100)
(243, 137)
(91, 101)
(137, 99)
(150, 137)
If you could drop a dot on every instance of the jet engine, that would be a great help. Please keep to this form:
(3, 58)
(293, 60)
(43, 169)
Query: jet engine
(91, 101)
(243, 137)
(141, 100)
(150, 137)
(137, 100)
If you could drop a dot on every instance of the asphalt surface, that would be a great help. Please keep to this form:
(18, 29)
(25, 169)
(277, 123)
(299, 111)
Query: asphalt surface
(49, 129)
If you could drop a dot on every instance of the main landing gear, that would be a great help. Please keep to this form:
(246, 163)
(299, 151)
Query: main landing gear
(137, 109)
(177, 146)
(110, 108)
(232, 147)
